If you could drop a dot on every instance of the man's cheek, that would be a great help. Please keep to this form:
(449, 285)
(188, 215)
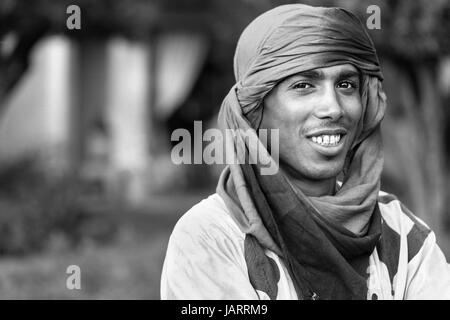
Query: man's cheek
(356, 112)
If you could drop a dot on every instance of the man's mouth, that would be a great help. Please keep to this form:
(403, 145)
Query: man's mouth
(326, 140)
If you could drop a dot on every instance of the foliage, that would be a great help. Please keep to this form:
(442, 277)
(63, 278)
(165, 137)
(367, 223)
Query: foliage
(37, 212)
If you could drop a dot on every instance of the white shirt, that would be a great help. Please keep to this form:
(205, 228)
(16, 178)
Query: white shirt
(205, 258)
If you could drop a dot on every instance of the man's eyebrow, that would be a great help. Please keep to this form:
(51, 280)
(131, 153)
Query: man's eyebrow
(311, 74)
(346, 74)
(319, 75)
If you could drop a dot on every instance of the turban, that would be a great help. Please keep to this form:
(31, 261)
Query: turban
(325, 241)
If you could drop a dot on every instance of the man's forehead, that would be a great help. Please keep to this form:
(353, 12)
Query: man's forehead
(346, 70)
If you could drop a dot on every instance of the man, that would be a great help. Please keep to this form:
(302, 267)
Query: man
(313, 74)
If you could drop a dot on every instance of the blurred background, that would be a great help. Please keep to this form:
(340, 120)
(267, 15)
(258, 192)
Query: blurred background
(86, 117)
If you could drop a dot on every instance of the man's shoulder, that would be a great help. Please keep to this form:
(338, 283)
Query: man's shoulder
(398, 217)
(204, 252)
(208, 219)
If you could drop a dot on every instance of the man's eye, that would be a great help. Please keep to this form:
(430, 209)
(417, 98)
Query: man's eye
(302, 85)
(346, 85)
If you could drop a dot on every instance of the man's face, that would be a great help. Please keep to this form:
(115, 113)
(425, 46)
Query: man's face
(317, 114)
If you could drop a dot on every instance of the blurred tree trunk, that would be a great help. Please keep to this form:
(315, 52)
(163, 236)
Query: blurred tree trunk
(15, 50)
(434, 169)
(414, 139)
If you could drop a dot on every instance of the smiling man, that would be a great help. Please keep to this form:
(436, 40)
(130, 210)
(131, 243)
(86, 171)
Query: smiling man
(320, 228)
(315, 137)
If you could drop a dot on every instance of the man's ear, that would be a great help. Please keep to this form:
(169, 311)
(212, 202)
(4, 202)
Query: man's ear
(255, 116)
(361, 82)
(261, 114)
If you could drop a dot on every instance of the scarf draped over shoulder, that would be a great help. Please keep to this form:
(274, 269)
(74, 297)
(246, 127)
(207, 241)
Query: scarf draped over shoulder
(324, 241)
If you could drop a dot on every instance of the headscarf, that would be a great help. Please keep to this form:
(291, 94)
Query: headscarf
(325, 241)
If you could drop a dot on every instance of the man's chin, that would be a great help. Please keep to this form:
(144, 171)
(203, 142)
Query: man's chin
(313, 169)
(323, 171)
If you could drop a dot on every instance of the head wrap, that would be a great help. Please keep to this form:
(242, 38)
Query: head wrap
(325, 241)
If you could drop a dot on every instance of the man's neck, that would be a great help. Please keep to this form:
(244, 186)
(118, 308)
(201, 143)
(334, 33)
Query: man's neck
(313, 188)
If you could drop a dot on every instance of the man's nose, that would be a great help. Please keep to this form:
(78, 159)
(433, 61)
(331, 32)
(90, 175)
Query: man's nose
(329, 106)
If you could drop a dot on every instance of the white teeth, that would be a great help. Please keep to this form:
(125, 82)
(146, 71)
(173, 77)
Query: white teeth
(327, 140)
(332, 139)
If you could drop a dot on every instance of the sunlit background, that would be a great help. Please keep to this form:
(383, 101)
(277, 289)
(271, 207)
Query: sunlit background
(86, 117)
